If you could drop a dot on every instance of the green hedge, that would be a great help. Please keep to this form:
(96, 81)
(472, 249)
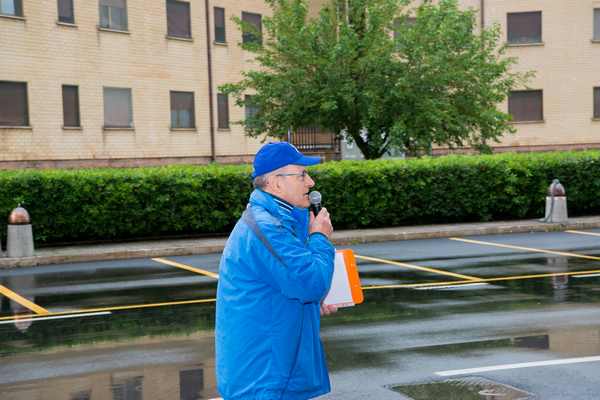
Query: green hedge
(106, 204)
(117, 204)
(457, 188)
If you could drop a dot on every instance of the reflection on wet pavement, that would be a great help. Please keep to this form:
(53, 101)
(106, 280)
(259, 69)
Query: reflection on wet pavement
(397, 338)
(62, 289)
(164, 353)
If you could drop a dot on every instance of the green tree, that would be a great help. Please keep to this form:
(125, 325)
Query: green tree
(367, 71)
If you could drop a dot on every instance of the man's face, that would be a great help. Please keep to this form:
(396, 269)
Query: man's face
(293, 185)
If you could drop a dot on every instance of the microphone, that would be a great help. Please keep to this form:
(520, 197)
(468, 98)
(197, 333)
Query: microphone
(315, 202)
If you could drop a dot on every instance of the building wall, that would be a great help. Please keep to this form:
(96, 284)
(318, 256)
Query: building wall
(565, 68)
(46, 55)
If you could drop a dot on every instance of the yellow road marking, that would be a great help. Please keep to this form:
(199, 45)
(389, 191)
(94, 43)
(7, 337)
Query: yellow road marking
(482, 280)
(584, 233)
(23, 301)
(509, 246)
(116, 308)
(411, 266)
(187, 267)
(399, 286)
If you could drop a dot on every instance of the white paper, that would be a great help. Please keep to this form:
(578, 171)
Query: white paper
(339, 293)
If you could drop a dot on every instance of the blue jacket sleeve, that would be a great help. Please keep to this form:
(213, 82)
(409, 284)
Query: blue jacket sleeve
(308, 268)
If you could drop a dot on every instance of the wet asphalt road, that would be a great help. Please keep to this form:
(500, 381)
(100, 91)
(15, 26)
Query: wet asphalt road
(435, 311)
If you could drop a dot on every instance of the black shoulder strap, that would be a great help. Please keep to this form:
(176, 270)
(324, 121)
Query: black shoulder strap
(248, 218)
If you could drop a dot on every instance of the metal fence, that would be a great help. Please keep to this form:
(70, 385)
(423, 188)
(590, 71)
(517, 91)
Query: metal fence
(315, 140)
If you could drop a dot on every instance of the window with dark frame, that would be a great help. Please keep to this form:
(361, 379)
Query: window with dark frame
(596, 24)
(118, 108)
(191, 382)
(223, 111)
(524, 27)
(597, 103)
(254, 20)
(250, 110)
(182, 110)
(70, 97)
(526, 105)
(400, 23)
(219, 15)
(66, 13)
(11, 7)
(178, 19)
(13, 104)
(113, 14)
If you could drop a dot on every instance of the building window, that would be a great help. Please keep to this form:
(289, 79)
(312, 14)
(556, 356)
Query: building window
(524, 27)
(11, 7)
(113, 14)
(13, 104)
(254, 20)
(70, 95)
(597, 102)
(65, 11)
(597, 24)
(251, 110)
(118, 108)
(219, 25)
(402, 23)
(526, 105)
(182, 110)
(223, 111)
(178, 19)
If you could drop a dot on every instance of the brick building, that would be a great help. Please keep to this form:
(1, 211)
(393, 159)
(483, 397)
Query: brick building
(134, 82)
(121, 82)
(560, 40)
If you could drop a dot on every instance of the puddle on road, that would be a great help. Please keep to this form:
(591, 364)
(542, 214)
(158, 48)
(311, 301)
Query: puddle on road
(150, 354)
(104, 284)
(470, 388)
(155, 335)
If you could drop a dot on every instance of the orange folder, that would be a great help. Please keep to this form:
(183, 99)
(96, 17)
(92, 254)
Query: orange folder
(345, 290)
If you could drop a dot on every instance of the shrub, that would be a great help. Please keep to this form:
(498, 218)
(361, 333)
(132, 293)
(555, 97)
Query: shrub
(123, 204)
(456, 188)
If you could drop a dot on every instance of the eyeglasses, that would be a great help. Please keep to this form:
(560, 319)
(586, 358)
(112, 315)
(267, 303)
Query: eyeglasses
(302, 174)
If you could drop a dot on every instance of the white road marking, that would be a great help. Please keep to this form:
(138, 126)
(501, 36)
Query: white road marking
(12, 321)
(585, 276)
(452, 286)
(562, 361)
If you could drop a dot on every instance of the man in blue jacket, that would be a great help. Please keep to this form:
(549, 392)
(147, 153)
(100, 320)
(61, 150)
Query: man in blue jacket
(275, 271)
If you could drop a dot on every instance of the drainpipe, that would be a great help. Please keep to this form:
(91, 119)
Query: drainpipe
(482, 14)
(213, 152)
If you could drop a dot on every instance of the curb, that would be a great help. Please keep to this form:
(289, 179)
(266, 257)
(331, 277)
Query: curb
(121, 251)
(380, 235)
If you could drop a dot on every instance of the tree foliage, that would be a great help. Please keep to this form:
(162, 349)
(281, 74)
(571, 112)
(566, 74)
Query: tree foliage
(380, 73)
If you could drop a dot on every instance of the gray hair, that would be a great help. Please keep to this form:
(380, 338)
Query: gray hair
(260, 182)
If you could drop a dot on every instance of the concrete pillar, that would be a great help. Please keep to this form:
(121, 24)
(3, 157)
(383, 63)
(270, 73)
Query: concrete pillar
(557, 212)
(19, 241)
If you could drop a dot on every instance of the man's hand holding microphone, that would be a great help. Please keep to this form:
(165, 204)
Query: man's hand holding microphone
(320, 222)
(319, 216)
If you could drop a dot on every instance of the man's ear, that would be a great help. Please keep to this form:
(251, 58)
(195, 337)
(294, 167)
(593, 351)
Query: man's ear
(275, 183)
(272, 183)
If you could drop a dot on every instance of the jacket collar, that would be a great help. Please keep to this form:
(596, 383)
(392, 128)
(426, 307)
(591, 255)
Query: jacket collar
(297, 218)
(274, 205)
(268, 201)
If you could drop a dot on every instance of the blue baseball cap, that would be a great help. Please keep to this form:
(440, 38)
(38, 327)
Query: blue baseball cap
(275, 155)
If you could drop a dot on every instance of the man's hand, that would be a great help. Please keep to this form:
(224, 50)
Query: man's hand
(327, 309)
(322, 223)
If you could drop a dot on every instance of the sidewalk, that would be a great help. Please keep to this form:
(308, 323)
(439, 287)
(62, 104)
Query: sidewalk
(163, 248)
